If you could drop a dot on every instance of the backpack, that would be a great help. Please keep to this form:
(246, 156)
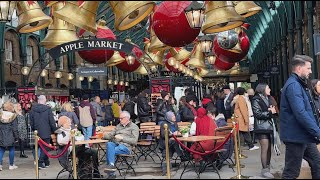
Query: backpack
(85, 116)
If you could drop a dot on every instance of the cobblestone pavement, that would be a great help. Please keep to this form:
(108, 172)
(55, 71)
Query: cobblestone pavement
(147, 169)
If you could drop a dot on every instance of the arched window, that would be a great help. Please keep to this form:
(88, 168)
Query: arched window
(85, 83)
(95, 84)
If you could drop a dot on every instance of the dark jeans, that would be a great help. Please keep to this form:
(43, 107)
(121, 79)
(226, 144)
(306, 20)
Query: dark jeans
(247, 138)
(173, 147)
(43, 157)
(293, 159)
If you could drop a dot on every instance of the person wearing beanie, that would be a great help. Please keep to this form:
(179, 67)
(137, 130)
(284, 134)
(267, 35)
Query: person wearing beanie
(170, 120)
(163, 107)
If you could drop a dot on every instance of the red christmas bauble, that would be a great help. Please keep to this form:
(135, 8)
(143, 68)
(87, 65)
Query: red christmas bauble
(229, 56)
(171, 25)
(171, 68)
(124, 66)
(100, 55)
(222, 65)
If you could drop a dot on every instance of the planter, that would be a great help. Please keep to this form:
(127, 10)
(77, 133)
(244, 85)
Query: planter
(185, 135)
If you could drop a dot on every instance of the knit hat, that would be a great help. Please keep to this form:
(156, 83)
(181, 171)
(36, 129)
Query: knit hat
(163, 94)
(169, 115)
(226, 87)
(85, 97)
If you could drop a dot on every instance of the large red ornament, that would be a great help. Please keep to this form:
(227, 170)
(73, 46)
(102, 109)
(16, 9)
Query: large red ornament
(100, 55)
(221, 65)
(124, 66)
(229, 56)
(171, 25)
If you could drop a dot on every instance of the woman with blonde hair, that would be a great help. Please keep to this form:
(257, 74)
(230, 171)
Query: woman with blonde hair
(67, 110)
(22, 129)
(8, 133)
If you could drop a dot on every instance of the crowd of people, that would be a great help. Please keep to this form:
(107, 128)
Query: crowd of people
(256, 112)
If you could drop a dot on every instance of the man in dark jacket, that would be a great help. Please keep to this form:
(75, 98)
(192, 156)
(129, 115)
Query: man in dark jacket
(227, 101)
(162, 107)
(41, 119)
(144, 107)
(129, 106)
(299, 124)
(189, 112)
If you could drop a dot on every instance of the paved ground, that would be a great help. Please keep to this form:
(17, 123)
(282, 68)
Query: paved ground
(147, 169)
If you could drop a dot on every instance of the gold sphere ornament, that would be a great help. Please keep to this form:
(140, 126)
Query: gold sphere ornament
(70, 76)
(172, 61)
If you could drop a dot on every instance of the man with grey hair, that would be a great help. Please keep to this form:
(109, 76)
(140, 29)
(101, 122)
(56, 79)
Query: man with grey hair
(41, 119)
(299, 122)
(122, 139)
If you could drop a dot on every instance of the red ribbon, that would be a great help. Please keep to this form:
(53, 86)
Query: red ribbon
(30, 2)
(54, 156)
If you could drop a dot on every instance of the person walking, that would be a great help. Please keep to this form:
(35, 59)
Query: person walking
(263, 112)
(87, 117)
(241, 111)
(299, 121)
(42, 120)
(22, 129)
(8, 133)
(315, 83)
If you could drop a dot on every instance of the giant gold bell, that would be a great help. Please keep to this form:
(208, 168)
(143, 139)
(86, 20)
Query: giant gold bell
(179, 54)
(197, 57)
(157, 57)
(203, 72)
(59, 31)
(220, 16)
(115, 59)
(31, 18)
(130, 13)
(141, 70)
(81, 15)
(155, 43)
(246, 8)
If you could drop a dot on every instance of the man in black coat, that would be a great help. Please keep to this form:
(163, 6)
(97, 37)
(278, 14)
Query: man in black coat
(144, 107)
(41, 119)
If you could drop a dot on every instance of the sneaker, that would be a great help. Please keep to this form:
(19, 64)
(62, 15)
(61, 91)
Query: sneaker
(13, 167)
(42, 166)
(0, 167)
(110, 168)
(254, 148)
(266, 173)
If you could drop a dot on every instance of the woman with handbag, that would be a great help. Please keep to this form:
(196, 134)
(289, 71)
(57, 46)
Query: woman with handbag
(263, 112)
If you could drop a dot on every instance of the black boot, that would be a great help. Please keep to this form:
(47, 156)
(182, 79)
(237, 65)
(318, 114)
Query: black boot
(22, 155)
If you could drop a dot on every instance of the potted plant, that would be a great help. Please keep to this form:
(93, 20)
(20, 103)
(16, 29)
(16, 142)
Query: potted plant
(78, 136)
(185, 131)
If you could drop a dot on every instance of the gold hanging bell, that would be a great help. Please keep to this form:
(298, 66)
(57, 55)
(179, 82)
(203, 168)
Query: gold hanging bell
(130, 13)
(203, 72)
(157, 57)
(180, 54)
(82, 16)
(31, 17)
(246, 8)
(197, 58)
(141, 70)
(115, 59)
(50, 3)
(59, 31)
(155, 43)
(220, 16)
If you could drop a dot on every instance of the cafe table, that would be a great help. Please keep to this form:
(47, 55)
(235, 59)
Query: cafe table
(196, 139)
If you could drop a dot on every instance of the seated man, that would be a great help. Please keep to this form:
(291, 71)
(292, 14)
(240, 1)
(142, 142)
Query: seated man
(170, 120)
(122, 138)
